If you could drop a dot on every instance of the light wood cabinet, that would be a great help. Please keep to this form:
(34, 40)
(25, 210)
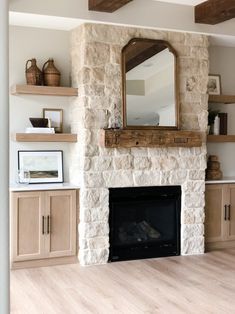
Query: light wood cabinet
(220, 216)
(43, 225)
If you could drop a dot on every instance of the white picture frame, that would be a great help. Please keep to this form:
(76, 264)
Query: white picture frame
(55, 117)
(44, 166)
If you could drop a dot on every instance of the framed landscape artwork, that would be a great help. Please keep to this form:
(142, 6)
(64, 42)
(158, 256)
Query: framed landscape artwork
(43, 166)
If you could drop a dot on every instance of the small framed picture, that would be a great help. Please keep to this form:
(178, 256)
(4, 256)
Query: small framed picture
(214, 84)
(43, 166)
(55, 117)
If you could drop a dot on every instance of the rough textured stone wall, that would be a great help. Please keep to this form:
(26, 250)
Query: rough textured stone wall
(96, 55)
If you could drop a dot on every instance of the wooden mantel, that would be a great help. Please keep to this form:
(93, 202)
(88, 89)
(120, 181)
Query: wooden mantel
(214, 11)
(106, 5)
(114, 138)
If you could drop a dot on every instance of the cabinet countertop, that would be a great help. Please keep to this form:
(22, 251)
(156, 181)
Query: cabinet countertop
(36, 187)
(223, 180)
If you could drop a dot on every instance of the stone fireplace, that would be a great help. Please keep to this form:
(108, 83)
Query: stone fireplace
(96, 71)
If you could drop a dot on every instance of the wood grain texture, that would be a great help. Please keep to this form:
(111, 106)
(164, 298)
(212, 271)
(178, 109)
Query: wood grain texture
(214, 11)
(40, 137)
(220, 138)
(181, 284)
(223, 99)
(149, 138)
(44, 90)
(106, 5)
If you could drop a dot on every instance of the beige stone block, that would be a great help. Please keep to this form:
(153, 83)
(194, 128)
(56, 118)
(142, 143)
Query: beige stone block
(195, 186)
(181, 49)
(155, 151)
(142, 163)
(139, 151)
(176, 37)
(165, 177)
(193, 216)
(87, 164)
(103, 151)
(115, 54)
(147, 178)
(97, 75)
(123, 162)
(197, 40)
(197, 174)
(95, 119)
(156, 163)
(189, 122)
(192, 230)
(178, 177)
(199, 52)
(90, 197)
(96, 54)
(120, 178)
(93, 229)
(100, 102)
(92, 90)
(122, 151)
(84, 75)
(190, 162)
(101, 163)
(94, 243)
(93, 257)
(91, 150)
(93, 179)
(169, 163)
(194, 200)
(194, 245)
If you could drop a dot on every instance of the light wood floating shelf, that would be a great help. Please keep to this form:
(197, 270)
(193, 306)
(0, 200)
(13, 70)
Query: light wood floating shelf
(39, 137)
(43, 90)
(149, 138)
(220, 138)
(226, 99)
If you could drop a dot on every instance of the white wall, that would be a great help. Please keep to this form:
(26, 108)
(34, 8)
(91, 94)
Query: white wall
(27, 43)
(4, 211)
(222, 61)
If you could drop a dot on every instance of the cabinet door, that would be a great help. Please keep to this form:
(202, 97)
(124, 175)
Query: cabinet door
(214, 213)
(231, 219)
(61, 223)
(27, 226)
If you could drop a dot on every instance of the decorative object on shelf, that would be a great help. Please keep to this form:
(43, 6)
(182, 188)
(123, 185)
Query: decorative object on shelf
(213, 171)
(43, 166)
(51, 75)
(39, 122)
(223, 116)
(55, 117)
(33, 73)
(40, 130)
(216, 125)
(23, 176)
(214, 84)
(211, 118)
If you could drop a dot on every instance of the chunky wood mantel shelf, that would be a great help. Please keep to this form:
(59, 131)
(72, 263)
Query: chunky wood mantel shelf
(226, 99)
(149, 138)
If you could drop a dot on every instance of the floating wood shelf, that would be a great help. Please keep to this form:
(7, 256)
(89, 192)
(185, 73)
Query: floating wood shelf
(226, 99)
(149, 138)
(220, 138)
(43, 90)
(40, 137)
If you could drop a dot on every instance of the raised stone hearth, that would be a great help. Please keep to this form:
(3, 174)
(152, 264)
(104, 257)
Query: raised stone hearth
(96, 71)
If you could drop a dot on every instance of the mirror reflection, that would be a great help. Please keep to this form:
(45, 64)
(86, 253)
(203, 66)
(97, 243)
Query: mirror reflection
(149, 84)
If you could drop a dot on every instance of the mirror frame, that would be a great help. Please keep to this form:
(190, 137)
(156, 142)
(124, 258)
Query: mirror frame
(177, 104)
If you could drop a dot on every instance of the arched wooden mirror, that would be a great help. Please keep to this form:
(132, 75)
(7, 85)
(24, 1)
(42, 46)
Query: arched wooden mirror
(150, 85)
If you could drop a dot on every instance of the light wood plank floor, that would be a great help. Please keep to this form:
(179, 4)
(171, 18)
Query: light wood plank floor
(201, 284)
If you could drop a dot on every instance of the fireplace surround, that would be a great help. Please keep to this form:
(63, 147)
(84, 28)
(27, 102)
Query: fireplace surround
(144, 222)
(96, 71)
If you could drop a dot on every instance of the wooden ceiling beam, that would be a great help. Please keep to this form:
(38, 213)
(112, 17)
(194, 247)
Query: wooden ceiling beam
(106, 5)
(214, 11)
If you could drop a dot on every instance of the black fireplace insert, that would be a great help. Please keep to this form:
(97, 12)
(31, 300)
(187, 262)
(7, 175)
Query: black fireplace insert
(144, 222)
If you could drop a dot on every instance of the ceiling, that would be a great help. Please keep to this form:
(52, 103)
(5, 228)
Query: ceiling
(185, 2)
(175, 15)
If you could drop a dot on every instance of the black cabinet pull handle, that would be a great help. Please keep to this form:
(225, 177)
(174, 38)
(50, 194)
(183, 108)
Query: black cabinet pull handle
(229, 208)
(43, 230)
(225, 212)
(48, 224)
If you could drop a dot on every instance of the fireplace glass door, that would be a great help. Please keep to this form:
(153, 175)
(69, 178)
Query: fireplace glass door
(144, 222)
